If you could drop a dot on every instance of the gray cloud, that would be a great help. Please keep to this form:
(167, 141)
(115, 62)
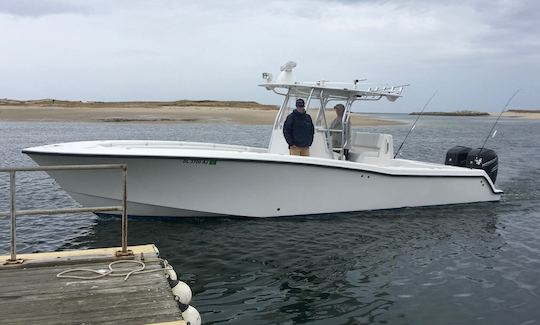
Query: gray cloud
(37, 8)
(164, 49)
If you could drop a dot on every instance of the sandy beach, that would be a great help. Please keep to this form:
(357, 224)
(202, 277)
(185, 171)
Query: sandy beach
(152, 113)
(524, 114)
(183, 111)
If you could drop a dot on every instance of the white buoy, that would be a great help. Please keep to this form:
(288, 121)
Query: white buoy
(171, 274)
(191, 316)
(181, 291)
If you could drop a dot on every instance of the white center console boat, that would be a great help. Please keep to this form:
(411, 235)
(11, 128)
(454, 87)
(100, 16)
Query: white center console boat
(179, 179)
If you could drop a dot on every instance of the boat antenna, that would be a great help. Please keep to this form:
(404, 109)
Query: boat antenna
(414, 124)
(491, 132)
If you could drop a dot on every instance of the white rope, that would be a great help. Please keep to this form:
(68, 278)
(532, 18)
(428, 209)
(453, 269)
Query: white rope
(139, 269)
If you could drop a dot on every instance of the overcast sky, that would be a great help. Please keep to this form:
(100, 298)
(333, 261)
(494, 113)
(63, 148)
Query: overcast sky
(475, 53)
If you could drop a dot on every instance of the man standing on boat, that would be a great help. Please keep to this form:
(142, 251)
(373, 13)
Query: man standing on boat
(342, 131)
(298, 130)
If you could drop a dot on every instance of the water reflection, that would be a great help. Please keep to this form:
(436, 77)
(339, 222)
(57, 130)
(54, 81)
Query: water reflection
(358, 267)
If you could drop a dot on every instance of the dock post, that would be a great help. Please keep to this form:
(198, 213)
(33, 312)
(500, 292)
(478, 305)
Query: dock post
(13, 214)
(124, 251)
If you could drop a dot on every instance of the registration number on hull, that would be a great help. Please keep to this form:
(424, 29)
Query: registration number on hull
(200, 161)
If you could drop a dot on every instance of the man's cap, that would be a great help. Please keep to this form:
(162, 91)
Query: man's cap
(300, 102)
(339, 106)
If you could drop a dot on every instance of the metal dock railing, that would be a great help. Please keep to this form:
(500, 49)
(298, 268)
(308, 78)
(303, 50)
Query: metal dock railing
(156, 296)
(14, 213)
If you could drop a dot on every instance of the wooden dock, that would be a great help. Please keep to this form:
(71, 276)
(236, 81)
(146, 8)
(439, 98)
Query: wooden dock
(31, 292)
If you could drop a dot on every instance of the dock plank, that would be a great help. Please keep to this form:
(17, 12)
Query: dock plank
(35, 295)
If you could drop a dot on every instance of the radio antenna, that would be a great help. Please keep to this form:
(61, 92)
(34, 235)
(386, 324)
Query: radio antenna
(414, 124)
(491, 133)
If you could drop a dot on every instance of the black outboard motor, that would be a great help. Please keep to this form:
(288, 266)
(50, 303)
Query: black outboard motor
(457, 156)
(486, 159)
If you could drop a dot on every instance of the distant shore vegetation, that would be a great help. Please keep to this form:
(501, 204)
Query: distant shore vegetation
(456, 113)
(150, 104)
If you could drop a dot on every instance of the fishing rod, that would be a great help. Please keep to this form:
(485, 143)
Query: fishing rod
(497, 120)
(414, 124)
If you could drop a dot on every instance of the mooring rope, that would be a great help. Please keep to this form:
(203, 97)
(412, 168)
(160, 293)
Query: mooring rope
(140, 268)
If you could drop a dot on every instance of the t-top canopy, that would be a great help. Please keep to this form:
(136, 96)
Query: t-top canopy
(323, 88)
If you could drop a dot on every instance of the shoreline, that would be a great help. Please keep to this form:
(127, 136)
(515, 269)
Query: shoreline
(163, 113)
(455, 113)
(512, 113)
(521, 114)
(158, 114)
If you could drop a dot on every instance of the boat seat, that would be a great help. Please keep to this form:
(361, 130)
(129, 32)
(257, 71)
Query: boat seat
(366, 147)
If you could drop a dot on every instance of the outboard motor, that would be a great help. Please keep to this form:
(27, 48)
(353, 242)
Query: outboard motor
(457, 156)
(486, 159)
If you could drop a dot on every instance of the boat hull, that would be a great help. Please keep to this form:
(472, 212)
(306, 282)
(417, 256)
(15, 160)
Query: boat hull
(209, 186)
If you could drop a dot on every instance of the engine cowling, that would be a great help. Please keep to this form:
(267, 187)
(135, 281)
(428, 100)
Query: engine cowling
(486, 159)
(457, 156)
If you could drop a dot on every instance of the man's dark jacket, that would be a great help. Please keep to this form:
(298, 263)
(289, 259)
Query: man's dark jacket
(298, 129)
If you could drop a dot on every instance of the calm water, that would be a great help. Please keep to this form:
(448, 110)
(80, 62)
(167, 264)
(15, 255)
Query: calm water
(467, 264)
